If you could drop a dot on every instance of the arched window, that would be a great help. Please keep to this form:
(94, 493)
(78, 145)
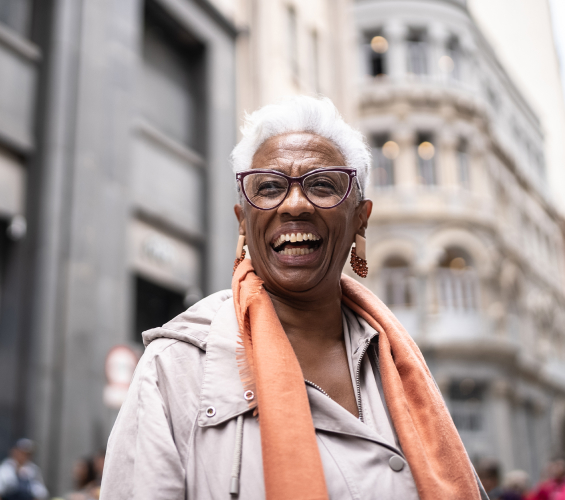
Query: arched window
(425, 150)
(384, 153)
(463, 164)
(376, 48)
(417, 52)
(398, 283)
(454, 53)
(514, 312)
(457, 283)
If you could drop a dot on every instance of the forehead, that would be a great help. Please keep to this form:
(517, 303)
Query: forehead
(297, 149)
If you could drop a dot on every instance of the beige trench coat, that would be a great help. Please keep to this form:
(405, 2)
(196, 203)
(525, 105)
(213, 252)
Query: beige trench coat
(186, 430)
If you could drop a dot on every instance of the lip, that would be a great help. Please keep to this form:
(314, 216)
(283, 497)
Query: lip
(298, 260)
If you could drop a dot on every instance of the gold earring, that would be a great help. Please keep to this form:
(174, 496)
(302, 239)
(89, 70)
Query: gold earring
(239, 252)
(359, 257)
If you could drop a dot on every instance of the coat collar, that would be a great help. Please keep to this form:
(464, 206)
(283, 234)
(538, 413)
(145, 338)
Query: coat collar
(222, 389)
(223, 392)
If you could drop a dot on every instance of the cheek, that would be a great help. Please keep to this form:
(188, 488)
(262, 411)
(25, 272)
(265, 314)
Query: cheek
(256, 224)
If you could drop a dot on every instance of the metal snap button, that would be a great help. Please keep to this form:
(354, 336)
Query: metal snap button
(396, 463)
(210, 411)
(248, 395)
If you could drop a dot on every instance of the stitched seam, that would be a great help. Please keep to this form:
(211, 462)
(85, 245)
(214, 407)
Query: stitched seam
(348, 481)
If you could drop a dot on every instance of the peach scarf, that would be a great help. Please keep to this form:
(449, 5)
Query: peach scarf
(291, 461)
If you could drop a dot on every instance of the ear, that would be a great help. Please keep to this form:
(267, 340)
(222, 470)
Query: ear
(362, 216)
(238, 210)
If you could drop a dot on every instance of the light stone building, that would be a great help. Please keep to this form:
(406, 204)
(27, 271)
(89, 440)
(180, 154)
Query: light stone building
(288, 47)
(464, 244)
(522, 36)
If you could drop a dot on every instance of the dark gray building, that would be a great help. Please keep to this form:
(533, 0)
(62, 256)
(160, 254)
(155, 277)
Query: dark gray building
(116, 122)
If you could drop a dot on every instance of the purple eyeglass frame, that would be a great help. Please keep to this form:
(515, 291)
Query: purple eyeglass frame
(351, 172)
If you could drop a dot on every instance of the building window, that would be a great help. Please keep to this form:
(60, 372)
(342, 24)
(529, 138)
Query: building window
(173, 85)
(16, 14)
(398, 283)
(155, 305)
(466, 398)
(457, 282)
(4, 250)
(426, 160)
(454, 53)
(292, 35)
(463, 164)
(315, 61)
(377, 48)
(417, 52)
(513, 315)
(384, 154)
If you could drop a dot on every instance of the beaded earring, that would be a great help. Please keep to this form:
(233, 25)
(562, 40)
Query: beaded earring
(239, 252)
(359, 257)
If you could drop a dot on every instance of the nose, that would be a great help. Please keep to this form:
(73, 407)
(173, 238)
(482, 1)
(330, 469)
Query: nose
(296, 203)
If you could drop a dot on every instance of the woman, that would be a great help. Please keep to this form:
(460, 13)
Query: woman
(298, 383)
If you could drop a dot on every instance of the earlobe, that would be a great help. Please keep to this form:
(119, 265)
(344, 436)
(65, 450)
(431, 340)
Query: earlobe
(366, 208)
(238, 210)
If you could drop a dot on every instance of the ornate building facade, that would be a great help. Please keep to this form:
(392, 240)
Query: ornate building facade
(464, 245)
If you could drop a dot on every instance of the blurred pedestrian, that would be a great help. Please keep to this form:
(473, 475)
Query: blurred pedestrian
(488, 471)
(88, 477)
(84, 475)
(553, 486)
(515, 485)
(20, 478)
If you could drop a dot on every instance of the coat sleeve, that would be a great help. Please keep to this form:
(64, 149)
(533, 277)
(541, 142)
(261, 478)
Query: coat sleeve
(142, 460)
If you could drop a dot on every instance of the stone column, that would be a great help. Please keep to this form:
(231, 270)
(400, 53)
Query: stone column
(501, 429)
(437, 36)
(405, 164)
(447, 167)
(395, 32)
(478, 177)
(469, 68)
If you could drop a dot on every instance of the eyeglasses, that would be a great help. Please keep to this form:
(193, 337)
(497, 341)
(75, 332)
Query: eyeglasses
(323, 187)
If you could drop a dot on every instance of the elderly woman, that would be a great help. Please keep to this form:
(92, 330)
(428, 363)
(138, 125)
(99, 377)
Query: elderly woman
(298, 383)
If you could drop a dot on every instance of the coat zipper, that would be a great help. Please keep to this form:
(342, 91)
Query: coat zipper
(315, 386)
(357, 379)
(358, 376)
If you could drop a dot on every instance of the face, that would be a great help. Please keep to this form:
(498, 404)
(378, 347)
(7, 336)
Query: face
(303, 267)
(21, 457)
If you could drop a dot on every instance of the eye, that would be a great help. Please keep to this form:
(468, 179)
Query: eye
(321, 184)
(269, 188)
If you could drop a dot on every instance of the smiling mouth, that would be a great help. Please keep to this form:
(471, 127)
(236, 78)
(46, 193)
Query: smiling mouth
(297, 243)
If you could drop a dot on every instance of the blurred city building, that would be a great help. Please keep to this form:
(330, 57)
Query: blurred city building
(116, 123)
(287, 47)
(465, 245)
(521, 35)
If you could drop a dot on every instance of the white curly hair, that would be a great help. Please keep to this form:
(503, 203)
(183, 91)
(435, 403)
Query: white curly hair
(303, 114)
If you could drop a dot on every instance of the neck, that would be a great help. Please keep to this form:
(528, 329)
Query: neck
(314, 321)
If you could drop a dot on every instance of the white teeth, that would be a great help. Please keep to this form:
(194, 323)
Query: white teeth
(296, 237)
(293, 238)
(296, 251)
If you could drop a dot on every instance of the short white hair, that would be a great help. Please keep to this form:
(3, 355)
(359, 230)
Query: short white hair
(303, 114)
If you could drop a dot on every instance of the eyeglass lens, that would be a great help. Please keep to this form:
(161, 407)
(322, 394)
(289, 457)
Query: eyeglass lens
(324, 189)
